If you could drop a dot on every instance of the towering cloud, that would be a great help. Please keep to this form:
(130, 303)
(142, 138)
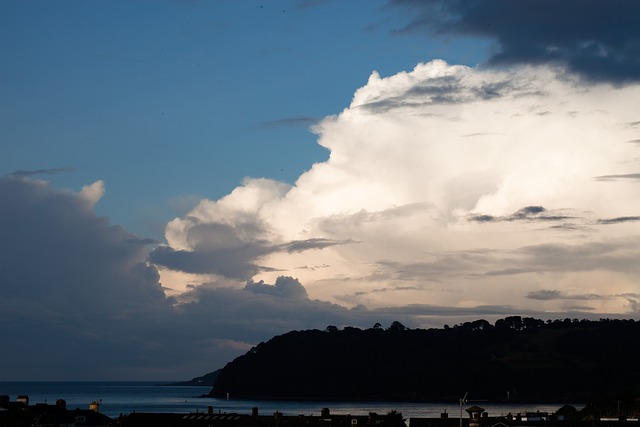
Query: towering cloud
(445, 185)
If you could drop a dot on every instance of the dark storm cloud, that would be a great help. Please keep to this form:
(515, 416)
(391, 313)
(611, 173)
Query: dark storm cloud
(52, 241)
(70, 280)
(599, 40)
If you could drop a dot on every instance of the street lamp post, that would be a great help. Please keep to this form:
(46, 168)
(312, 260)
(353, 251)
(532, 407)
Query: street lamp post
(463, 400)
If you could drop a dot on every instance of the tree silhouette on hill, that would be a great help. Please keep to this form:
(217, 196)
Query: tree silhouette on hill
(517, 358)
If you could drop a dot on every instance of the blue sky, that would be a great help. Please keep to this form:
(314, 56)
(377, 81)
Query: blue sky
(181, 180)
(179, 100)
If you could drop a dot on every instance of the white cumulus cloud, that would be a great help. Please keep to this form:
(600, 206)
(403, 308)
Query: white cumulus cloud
(445, 185)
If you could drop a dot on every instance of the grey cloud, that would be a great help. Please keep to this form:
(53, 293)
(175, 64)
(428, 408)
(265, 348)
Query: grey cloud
(216, 235)
(285, 287)
(258, 311)
(471, 135)
(451, 89)
(235, 258)
(29, 173)
(619, 256)
(529, 210)
(312, 267)
(444, 264)
(528, 213)
(567, 227)
(548, 295)
(316, 243)
(341, 222)
(234, 263)
(616, 255)
(579, 308)
(631, 176)
(545, 295)
(484, 218)
(619, 220)
(598, 40)
(432, 315)
(385, 290)
(436, 310)
(433, 270)
(634, 301)
(454, 90)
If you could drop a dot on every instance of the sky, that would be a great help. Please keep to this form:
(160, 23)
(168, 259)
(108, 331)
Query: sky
(181, 180)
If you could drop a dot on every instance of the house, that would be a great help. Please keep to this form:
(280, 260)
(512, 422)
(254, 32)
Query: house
(42, 414)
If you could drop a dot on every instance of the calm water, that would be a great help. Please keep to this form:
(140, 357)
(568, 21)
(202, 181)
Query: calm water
(124, 397)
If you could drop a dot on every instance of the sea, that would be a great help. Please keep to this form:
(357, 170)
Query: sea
(123, 397)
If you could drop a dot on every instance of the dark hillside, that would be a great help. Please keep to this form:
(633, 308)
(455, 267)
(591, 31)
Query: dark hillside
(517, 359)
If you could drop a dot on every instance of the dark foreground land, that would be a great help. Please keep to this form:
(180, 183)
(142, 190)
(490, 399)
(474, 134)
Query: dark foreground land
(515, 359)
(20, 415)
(473, 417)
